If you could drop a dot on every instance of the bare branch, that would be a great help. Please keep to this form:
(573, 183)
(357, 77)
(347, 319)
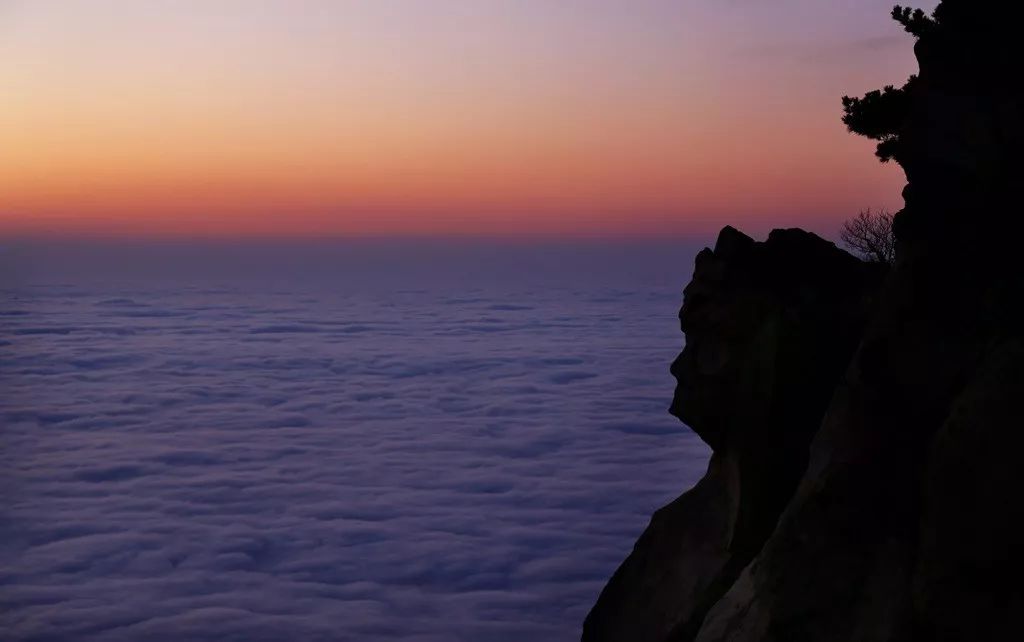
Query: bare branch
(869, 235)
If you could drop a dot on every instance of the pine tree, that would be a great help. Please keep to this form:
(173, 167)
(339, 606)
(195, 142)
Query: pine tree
(880, 114)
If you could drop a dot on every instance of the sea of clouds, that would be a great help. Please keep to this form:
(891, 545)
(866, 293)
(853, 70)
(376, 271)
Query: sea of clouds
(368, 444)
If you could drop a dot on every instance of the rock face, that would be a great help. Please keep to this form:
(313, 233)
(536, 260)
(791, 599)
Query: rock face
(770, 328)
(865, 484)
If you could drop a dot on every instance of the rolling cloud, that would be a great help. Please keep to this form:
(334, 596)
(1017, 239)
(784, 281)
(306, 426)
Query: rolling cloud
(214, 463)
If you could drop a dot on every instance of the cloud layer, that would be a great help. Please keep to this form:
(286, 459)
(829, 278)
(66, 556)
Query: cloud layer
(232, 463)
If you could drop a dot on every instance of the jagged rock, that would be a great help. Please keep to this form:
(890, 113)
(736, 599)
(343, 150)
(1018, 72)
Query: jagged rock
(770, 327)
(906, 522)
(966, 580)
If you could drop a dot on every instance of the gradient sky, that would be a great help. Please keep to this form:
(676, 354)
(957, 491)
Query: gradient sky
(470, 117)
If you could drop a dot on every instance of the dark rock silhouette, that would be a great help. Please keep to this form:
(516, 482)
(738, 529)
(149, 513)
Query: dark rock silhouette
(906, 520)
(767, 340)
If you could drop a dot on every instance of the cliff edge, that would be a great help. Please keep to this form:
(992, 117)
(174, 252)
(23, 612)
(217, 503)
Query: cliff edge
(865, 422)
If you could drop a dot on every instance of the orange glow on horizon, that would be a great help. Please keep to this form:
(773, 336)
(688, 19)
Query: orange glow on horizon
(204, 132)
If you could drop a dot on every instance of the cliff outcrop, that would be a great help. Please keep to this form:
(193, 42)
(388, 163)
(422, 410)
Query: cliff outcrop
(866, 428)
(767, 341)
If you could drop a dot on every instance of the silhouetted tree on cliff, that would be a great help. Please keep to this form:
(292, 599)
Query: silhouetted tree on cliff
(915, 21)
(880, 114)
(869, 235)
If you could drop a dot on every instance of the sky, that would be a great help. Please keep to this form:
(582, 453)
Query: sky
(309, 118)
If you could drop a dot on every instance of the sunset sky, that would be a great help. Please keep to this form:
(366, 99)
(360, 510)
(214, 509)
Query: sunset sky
(310, 118)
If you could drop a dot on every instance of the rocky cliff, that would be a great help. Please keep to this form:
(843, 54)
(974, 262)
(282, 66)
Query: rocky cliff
(865, 425)
(767, 341)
